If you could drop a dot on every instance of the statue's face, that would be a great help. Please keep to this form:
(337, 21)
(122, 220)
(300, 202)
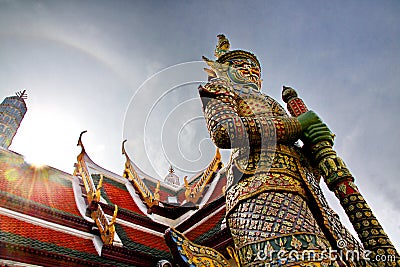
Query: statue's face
(245, 71)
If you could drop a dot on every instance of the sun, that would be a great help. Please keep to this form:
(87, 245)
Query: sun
(36, 160)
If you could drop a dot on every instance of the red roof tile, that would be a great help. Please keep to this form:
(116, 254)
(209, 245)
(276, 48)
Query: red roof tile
(121, 197)
(38, 185)
(146, 239)
(206, 226)
(218, 188)
(46, 235)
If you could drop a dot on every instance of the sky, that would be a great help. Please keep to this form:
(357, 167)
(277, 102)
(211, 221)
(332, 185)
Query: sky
(130, 70)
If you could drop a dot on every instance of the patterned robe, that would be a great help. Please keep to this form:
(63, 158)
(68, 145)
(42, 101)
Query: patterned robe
(276, 211)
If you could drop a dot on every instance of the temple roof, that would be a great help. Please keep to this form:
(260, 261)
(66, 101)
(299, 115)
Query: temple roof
(57, 218)
(18, 231)
(44, 186)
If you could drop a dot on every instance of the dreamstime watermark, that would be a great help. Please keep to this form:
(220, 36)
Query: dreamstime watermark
(282, 256)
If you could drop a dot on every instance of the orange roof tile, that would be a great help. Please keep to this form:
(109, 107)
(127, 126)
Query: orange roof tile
(42, 234)
(218, 188)
(121, 197)
(38, 185)
(146, 239)
(206, 226)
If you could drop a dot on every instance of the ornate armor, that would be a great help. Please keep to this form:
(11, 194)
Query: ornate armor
(273, 200)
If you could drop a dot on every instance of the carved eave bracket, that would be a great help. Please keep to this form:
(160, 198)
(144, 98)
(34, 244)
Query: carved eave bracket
(156, 193)
(145, 194)
(195, 192)
(106, 227)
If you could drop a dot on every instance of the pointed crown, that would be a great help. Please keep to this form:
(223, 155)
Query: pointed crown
(224, 55)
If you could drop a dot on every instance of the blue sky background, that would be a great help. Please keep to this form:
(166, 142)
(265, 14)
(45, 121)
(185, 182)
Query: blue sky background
(83, 61)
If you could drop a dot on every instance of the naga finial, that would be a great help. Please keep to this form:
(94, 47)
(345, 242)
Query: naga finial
(123, 149)
(222, 46)
(80, 143)
(80, 139)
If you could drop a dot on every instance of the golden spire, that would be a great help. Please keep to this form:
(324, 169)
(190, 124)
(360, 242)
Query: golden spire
(222, 46)
(171, 169)
(22, 94)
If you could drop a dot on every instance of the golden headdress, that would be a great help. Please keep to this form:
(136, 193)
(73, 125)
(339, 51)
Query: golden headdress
(224, 55)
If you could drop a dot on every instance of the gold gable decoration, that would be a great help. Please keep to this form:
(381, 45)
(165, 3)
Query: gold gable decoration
(194, 193)
(106, 228)
(149, 199)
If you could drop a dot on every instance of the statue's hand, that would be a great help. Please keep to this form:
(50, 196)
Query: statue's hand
(308, 118)
(314, 130)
